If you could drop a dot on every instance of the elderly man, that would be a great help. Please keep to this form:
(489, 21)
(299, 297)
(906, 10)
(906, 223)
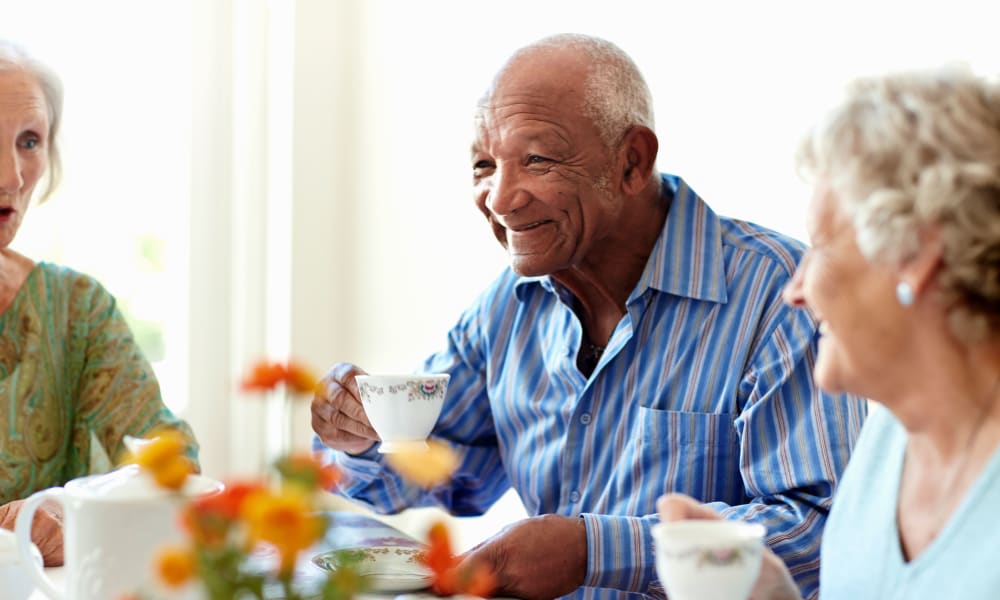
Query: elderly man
(638, 344)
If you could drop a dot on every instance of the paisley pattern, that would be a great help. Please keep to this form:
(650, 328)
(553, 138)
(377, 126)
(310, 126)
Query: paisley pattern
(71, 375)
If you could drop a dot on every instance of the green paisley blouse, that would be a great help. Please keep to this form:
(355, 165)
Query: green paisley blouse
(72, 383)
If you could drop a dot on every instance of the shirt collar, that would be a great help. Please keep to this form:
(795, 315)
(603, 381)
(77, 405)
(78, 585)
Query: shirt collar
(687, 259)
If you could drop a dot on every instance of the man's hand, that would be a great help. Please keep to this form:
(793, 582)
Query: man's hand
(537, 558)
(338, 417)
(774, 581)
(46, 528)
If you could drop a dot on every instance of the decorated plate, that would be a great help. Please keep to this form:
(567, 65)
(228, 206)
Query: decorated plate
(387, 568)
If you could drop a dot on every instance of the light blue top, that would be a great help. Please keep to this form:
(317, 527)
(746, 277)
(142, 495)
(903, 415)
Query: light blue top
(861, 555)
(705, 388)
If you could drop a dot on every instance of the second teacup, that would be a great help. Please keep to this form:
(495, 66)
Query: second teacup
(402, 408)
(708, 560)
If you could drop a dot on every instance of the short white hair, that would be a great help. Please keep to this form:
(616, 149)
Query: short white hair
(616, 97)
(914, 150)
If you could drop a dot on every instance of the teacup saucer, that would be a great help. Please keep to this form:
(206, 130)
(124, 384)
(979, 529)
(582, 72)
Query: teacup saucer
(387, 568)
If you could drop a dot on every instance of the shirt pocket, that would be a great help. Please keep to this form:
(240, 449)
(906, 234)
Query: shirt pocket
(682, 429)
(691, 452)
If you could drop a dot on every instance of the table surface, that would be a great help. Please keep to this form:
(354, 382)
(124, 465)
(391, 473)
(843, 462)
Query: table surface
(350, 530)
(57, 573)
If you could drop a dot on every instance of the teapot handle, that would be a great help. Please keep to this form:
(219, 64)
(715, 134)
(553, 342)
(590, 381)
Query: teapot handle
(22, 530)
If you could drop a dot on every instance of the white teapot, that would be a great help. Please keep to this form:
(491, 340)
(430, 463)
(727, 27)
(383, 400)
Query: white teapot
(15, 580)
(113, 525)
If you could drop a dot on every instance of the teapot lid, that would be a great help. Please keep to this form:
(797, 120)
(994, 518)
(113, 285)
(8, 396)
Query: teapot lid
(130, 483)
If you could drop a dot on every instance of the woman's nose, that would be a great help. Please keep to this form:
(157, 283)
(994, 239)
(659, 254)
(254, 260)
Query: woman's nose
(10, 172)
(793, 294)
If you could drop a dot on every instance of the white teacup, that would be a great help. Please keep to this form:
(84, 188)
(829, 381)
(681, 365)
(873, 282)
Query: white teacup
(707, 559)
(113, 525)
(402, 408)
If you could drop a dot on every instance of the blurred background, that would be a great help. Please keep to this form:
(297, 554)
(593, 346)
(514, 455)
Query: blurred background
(291, 178)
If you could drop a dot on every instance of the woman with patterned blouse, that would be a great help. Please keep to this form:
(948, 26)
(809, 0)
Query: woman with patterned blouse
(73, 382)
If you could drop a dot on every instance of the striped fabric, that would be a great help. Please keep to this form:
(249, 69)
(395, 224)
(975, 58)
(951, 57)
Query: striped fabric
(705, 388)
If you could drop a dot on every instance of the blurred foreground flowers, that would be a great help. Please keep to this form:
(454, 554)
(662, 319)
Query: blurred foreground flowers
(275, 517)
(280, 515)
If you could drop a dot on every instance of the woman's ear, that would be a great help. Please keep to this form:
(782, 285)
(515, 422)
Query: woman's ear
(919, 270)
(638, 151)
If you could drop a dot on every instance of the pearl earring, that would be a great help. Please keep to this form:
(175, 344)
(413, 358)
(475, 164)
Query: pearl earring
(904, 293)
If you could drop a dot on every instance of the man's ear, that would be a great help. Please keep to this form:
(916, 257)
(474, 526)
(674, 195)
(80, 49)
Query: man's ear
(638, 152)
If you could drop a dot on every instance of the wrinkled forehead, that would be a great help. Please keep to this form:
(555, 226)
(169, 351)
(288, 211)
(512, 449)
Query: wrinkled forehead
(21, 96)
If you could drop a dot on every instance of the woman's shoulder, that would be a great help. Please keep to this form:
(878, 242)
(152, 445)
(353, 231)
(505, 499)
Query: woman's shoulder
(62, 281)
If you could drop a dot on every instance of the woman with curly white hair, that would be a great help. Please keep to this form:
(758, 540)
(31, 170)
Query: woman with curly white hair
(904, 275)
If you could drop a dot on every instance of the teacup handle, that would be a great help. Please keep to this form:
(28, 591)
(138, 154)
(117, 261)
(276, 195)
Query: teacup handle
(22, 530)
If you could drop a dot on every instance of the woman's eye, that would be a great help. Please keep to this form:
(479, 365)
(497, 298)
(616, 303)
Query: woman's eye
(30, 143)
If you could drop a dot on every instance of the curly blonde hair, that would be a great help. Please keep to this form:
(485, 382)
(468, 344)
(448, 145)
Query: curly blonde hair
(910, 151)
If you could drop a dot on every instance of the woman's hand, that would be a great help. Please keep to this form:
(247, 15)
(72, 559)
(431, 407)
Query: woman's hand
(338, 417)
(774, 581)
(46, 529)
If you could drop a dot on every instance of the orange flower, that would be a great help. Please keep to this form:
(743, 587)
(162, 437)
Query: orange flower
(267, 375)
(300, 379)
(209, 518)
(449, 575)
(304, 469)
(425, 467)
(285, 520)
(264, 375)
(175, 565)
(163, 458)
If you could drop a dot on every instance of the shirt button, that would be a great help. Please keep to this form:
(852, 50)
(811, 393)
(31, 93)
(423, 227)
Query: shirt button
(574, 496)
(585, 418)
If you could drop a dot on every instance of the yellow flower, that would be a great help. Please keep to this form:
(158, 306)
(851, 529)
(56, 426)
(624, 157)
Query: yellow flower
(175, 565)
(163, 458)
(286, 520)
(425, 467)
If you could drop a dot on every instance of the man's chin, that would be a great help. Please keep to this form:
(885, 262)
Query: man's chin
(529, 266)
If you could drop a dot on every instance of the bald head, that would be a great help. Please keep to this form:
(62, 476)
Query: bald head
(587, 73)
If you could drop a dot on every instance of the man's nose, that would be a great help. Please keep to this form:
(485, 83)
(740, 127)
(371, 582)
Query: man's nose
(507, 193)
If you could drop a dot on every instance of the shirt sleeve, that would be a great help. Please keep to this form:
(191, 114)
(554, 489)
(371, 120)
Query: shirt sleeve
(620, 554)
(794, 441)
(466, 424)
(117, 391)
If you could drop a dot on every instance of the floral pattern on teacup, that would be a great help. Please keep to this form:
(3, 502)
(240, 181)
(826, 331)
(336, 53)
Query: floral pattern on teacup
(714, 557)
(426, 389)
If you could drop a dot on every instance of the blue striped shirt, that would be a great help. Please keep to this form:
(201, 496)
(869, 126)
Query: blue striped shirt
(705, 388)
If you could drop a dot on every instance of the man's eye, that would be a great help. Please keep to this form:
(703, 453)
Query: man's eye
(534, 159)
(482, 164)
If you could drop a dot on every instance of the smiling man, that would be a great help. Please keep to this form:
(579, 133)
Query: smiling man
(637, 345)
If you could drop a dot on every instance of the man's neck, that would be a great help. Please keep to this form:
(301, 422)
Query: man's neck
(603, 280)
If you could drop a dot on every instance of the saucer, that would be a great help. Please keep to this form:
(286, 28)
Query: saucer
(386, 568)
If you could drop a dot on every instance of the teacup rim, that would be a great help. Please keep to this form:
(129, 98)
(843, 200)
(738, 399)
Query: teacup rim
(387, 376)
(744, 530)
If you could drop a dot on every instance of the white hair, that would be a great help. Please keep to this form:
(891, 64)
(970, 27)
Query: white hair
(910, 151)
(616, 96)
